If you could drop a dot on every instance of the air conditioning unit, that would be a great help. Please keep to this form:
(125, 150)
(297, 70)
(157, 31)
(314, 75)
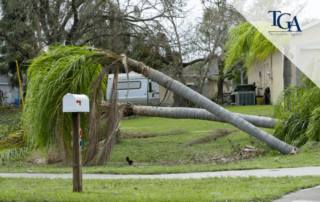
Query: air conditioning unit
(245, 97)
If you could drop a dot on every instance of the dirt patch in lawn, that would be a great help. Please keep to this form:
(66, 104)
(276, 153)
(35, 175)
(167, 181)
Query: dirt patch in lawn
(212, 137)
(130, 135)
(41, 158)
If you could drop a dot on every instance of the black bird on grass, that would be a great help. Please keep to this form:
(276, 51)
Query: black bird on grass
(129, 161)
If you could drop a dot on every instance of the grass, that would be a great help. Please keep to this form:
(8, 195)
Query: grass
(169, 154)
(206, 189)
(2, 127)
(8, 115)
(263, 110)
(10, 120)
(305, 158)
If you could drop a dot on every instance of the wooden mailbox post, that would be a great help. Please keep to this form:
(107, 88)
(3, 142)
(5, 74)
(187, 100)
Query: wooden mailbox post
(75, 104)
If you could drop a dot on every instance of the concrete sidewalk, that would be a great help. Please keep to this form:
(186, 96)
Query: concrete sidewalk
(279, 172)
(306, 195)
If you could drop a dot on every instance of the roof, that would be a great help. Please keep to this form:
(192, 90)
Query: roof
(310, 25)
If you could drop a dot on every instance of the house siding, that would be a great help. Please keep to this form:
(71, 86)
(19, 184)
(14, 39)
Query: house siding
(275, 84)
(10, 94)
(274, 62)
(191, 76)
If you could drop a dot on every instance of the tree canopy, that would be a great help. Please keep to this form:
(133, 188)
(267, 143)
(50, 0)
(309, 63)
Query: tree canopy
(60, 70)
(246, 44)
(29, 25)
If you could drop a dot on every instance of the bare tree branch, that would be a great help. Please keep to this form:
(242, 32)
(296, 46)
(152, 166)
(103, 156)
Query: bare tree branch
(118, 34)
(185, 64)
(75, 23)
(131, 18)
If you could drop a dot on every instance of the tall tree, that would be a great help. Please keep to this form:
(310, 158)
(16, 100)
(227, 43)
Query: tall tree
(105, 24)
(212, 36)
(19, 40)
(175, 36)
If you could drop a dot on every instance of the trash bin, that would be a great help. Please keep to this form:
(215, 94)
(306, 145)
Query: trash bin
(267, 93)
(259, 100)
(16, 101)
(233, 98)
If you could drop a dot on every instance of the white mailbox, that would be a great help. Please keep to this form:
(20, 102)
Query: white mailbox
(75, 103)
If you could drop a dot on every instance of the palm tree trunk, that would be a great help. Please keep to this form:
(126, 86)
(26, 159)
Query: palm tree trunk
(287, 75)
(183, 113)
(94, 131)
(193, 113)
(207, 104)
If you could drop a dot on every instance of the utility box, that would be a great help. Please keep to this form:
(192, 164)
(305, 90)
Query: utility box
(270, 74)
(245, 97)
(75, 103)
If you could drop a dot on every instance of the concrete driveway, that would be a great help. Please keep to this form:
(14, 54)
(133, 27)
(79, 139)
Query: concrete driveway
(305, 195)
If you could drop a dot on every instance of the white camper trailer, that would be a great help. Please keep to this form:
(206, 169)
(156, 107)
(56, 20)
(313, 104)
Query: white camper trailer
(142, 91)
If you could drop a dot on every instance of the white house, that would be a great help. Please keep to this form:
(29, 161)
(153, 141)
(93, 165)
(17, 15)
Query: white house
(9, 94)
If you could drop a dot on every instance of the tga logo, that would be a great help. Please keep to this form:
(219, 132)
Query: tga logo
(291, 24)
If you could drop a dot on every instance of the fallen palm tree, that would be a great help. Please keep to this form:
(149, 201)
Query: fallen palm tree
(191, 113)
(67, 69)
(198, 99)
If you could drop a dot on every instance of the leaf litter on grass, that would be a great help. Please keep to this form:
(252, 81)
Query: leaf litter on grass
(130, 135)
(212, 137)
(236, 155)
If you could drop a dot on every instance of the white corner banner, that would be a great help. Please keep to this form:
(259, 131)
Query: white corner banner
(293, 26)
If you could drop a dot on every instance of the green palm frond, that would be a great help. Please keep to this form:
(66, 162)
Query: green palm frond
(248, 44)
(302, 122)
(314, 128)
(61, 70)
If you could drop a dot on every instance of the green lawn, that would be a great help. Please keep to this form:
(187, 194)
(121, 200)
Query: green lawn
(263, 110)
(169, 154)
(206, 189)
(2, 127)
(10, 120)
